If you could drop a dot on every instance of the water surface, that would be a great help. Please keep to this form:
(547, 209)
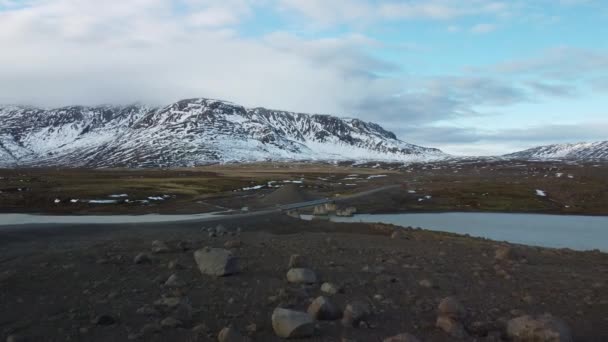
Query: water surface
(556, 231)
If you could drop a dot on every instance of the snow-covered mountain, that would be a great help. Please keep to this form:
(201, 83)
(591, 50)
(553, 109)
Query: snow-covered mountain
(190, 132)
(579, 151)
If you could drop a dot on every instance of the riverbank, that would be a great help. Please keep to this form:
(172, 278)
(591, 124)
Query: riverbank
(70, 283)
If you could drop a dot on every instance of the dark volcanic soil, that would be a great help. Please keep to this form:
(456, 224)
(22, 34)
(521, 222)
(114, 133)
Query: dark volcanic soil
(55, 281)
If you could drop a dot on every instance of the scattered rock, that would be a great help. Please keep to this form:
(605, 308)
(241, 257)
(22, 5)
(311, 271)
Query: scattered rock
(252, 328)
(233, 244)
(147, 310)
(329, 288)
(503, 253)
(221, 230)
(451, 307)
(323, 309)
(543, 328)
(184, 245)
(174, 281)
(200, 328)
(183, 312)
(230, 334)
(170, 302)
(399, 234)
(216, 261)
(425, 283)
(298, 261)
(405, 337)
(292, 324)
(103, 320)
(451, 312)
(16, 338)
(355, 313)
(159, 247)
(451, 326)
(142, 258)
(170, 322)
(175, 265)
(150, 328)
(301, 276)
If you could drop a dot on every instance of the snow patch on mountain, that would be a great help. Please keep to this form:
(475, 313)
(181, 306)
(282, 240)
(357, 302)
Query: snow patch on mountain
(579, 151)
(188, 133)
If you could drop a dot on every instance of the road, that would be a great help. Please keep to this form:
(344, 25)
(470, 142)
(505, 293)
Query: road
(23, 221)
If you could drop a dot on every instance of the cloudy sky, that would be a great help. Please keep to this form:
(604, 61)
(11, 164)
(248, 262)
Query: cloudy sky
(468, 76)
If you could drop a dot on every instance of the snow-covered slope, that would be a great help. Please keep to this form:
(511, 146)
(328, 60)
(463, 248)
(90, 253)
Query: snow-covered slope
(580, 151)
(190, 132)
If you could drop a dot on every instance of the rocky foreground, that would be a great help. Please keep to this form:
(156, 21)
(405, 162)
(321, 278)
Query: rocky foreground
(274, 278)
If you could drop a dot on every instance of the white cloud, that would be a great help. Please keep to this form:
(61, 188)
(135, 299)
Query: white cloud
(355, 11)
(483, 28)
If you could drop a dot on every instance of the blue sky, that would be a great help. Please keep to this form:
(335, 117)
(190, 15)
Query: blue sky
(468, 76)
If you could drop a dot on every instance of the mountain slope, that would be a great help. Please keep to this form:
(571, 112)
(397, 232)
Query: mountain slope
(187, 133)
(579, 151)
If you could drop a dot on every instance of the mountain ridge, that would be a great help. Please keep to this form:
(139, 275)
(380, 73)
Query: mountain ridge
(190, 132)
(570, 151)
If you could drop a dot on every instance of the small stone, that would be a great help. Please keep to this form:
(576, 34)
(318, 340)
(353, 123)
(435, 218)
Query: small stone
(174, 281)
(200, 329)
(103, 320)
(503, 253)
(159, 247)
(230, 244)
(292, 324)
(147, 310)
(425, 283)
(16, 338)
(298, 261)
(150, 328)
(230, 334)
(142, 258)
(170, 302)
(174, 265)
(301, 276)
(323, 309)
(451, 326)
(398, 234)
(251, 328)
(183, 312)
(183, 245)
(544, 328)
(170, 322)
(216, 261)
(405, 337)
(355, 313)
(329, 288)
(450, 307)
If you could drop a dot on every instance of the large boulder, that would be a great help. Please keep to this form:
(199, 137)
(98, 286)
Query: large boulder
(543, 328)
(159, 247)
(292, 324)
(301, 276)
(324, 310)
(216, 261)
